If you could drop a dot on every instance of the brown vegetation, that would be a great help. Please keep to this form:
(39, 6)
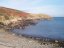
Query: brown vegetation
(11, 17)
(12, 12)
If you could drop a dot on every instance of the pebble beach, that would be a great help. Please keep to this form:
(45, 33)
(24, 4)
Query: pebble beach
(10, 40)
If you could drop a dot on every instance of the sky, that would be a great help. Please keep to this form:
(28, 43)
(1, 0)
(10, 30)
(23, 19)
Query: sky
(50, 7)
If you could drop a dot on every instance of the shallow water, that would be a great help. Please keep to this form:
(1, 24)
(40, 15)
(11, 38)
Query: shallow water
(53, 29)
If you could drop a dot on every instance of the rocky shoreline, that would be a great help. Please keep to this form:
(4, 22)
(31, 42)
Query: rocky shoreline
(15, 19)
(42, 40)
(22, 24)
(18, 24)
(11, 40)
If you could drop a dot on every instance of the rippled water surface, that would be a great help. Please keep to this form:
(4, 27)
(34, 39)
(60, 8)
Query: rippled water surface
(53, 29)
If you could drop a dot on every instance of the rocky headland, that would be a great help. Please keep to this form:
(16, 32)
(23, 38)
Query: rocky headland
(11, 18)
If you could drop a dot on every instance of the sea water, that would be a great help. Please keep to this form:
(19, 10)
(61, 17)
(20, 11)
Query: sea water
(53, 29)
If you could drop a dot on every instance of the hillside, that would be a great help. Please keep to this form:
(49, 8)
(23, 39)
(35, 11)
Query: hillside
(40, 16)
(14, 17)
(12, 12)
(7, 14)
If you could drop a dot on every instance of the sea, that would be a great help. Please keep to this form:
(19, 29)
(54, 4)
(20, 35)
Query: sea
(53, 29)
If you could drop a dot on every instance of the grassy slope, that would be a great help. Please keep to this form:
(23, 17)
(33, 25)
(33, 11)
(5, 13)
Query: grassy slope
(7, 14)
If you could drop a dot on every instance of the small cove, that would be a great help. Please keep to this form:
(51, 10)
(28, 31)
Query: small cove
(53, 29)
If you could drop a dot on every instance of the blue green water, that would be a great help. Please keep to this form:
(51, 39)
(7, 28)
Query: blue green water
(53, 29)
